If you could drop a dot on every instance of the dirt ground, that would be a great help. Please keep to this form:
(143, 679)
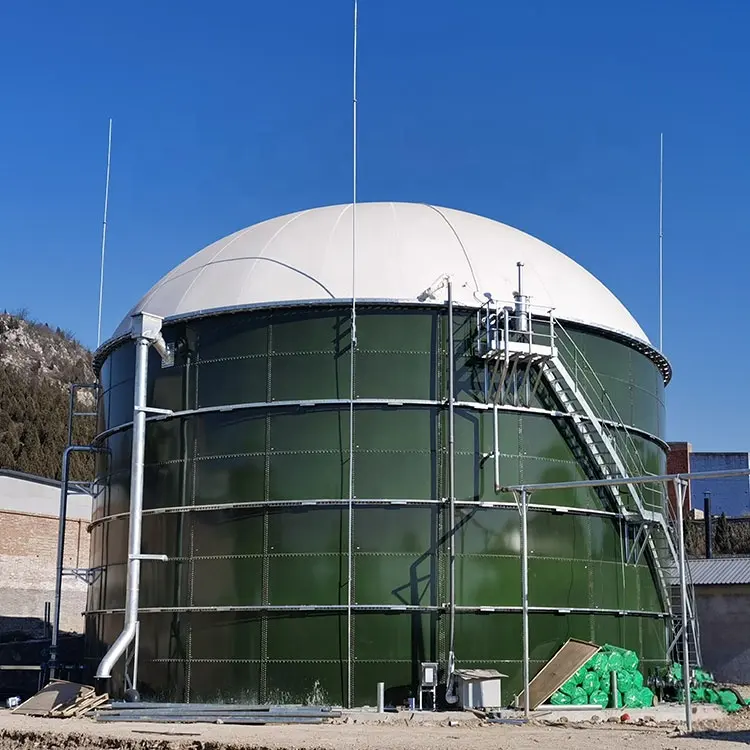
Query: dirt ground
(18, 732)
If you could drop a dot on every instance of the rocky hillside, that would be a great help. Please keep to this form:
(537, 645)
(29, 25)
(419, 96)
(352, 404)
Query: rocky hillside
(37, 363)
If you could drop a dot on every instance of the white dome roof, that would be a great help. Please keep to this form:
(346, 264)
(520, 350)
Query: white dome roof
(402, 248)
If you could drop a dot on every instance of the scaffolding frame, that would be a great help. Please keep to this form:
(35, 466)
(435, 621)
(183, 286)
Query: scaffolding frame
(521, 493)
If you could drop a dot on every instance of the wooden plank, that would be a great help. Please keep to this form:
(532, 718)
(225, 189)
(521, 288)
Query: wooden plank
(55, 696)
(81, 707)
(99, 701)
(74, 708)
(561, 667)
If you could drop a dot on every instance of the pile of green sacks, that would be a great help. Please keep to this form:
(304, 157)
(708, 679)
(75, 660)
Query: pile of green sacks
(591, 684)
(706, 690)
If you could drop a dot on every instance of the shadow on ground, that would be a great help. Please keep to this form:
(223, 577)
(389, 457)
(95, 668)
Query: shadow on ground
(741, 737)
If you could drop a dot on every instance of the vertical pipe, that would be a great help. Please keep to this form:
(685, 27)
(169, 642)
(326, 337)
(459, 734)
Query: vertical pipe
(525, 598)
(451, 695)
(496, 445)
(506, 354)
(117, 649)
(679, 485)
(709, 525)
(60, 559)
(136, 648)
(104, 238)
(551, 330)
(614, 690)
(381, 697)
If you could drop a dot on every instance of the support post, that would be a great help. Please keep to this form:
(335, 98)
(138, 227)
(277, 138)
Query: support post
(679, 486)
(146, 330)
(136, 649)
(525, 597)
(496, 445)
(381, 697)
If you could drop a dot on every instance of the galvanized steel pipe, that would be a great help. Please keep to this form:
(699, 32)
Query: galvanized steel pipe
(381, 697)
(679, 486)
(118, 648)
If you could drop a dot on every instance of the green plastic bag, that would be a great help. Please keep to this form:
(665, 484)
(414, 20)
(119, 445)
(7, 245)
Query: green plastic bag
(728, 698)
(614, 661)
(638, 681)
(647, 697)
(701, 675)
(629, 658)
(700, 695)
(580, 698)
(599, 663)
(712, 696)
(605, 684)
(560, 699)
(632, 699)
(624, 680)
(569, 688)
(599, 698)
(590, 683)
(580, 675)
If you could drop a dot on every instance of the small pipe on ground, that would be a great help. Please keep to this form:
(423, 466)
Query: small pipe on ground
(381, 697)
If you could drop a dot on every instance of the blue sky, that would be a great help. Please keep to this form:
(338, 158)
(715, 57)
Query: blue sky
(542, 114)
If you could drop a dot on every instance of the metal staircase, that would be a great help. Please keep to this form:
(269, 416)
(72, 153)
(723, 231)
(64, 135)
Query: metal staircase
(531, 361)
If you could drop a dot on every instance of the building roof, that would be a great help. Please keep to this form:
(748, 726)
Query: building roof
(720, 571)
(28, 493)
(36, 479)
(401, 249)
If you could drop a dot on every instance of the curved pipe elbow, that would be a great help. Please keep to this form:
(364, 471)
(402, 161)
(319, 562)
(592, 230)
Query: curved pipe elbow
(116, 650)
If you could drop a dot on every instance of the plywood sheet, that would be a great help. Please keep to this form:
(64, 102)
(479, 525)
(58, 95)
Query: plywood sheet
(568, 660)
(56, 693)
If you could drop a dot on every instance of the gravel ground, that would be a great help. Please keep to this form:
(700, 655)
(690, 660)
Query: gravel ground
(41, 734)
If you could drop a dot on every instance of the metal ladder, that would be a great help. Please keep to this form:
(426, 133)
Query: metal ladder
(81, 486)
(524, 356)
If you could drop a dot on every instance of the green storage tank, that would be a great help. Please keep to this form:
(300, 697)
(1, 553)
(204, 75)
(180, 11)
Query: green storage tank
(307, 567)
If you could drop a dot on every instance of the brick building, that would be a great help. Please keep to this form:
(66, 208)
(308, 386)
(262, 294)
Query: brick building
(678, 462)
(29, 509)
(729, 495)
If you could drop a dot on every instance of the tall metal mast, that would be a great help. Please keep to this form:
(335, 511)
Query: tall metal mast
(661, 242)
(104, 238)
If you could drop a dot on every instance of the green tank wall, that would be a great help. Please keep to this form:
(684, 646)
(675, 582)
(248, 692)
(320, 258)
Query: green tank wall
(197, 642)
